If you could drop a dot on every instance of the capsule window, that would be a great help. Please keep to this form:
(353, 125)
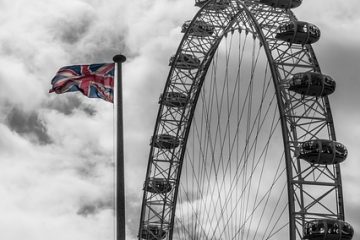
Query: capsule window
(302, 28)
(297, 81)
(304, 76)
(292, 26)
(317, 32)
(346, 228)
(289, 27)
(336, 228)
(327, 148)
(317, 83)
(312, 30)
(316, 80)
(311, 146)
(322, 229)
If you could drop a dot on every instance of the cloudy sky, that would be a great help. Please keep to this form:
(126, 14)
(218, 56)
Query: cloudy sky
(56, 151)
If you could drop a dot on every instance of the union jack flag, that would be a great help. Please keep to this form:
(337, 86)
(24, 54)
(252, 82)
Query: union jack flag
(94, 80)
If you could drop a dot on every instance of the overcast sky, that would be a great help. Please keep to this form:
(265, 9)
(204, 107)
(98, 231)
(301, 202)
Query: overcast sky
(56, 151)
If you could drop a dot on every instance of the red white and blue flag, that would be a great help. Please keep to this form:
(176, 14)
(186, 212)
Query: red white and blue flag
(94, 80)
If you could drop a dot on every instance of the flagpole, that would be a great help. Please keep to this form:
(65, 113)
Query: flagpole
(120, 189)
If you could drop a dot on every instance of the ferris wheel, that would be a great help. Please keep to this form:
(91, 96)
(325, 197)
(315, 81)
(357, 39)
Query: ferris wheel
(244, 145)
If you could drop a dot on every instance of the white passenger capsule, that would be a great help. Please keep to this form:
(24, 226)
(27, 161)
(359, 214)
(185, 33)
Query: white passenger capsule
(158, 185)
(165, 141)
(286, 4)
(185, 61)
(198, 28)
(174, 99)
(312, 84)
(322, 151)
(152, 232)
(328, 229)
(217, 5)
(297, 32)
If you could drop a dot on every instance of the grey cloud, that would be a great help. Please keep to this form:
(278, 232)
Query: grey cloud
(73, 31)
(133, 208)
(87, 210)
(89, 110)
(29, 125)
(73, 24)
(95, 207)
(68, 104)
(90, 47)
(87, 169)
(115, 45)
(90, 168)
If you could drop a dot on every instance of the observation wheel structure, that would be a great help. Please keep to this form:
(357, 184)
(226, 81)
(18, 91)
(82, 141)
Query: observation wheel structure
(244, 145)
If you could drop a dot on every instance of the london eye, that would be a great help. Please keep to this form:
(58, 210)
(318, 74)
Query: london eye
(244, 144)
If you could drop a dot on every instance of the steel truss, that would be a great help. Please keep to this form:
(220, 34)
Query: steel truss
(314, 191)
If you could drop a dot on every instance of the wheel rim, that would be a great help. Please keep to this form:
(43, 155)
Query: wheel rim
(310, 187)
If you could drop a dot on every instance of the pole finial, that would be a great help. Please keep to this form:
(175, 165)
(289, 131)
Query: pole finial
(119, 58)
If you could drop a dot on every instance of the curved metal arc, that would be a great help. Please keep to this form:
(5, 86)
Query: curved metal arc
(332, 133)
(231, 23)
(281, 97)
(203, 68)
(327, 121)
(206, 63)
(206, 66)
(168, 82)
